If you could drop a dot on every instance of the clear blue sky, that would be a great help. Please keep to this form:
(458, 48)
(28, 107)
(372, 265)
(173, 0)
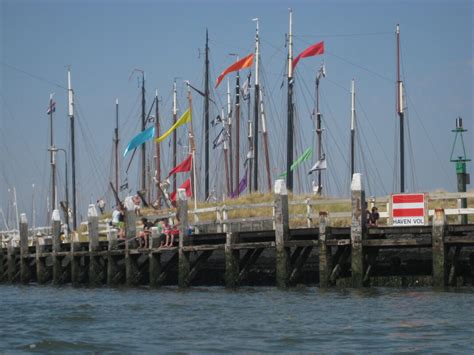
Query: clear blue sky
(103, 41)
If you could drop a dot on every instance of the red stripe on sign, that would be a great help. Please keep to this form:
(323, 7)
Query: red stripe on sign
(408, 198)
(408, 212)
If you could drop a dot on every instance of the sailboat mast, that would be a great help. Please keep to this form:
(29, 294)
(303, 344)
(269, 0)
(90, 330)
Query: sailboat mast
(175, 118)
(289, 147)
(52, 158)
(237, 131)
(229, 121)
(319, 130)
(192, 144)
(401, 115)
(158, 151)
(116, 145)
(265, 143)
(73, 148)
(353, 116)
(143, 182)
(206, 120)
(226, 160)
(256, 111)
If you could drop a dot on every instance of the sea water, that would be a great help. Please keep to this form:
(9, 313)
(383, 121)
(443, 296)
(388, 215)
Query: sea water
(213, 319)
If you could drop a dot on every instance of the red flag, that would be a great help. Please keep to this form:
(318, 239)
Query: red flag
(187, 186)
(241, 64)
(182, 167)
(313, 50)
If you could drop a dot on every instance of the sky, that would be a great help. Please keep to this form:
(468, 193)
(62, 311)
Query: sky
(104, 41)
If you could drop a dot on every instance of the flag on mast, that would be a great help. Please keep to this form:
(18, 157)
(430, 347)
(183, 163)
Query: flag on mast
(140, 138)
(311, 51)
(241, 64)
(182, 167)
(51, 107)
(320, 165)
(185, 118)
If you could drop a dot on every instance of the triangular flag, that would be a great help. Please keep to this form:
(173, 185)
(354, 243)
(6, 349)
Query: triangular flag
(320, 165)
(241, 64)
(185, 118)
(140, 138)
(182, 167)
(313, 50)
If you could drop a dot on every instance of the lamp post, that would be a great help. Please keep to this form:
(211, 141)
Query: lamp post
(54, 150)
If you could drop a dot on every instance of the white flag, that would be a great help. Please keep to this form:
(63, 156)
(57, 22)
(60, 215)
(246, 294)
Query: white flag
(320, 165)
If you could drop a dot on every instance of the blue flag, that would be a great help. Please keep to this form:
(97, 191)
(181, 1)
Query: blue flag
(140, 138)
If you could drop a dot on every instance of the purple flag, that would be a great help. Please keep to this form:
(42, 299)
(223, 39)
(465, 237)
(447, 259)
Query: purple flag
(242, 186)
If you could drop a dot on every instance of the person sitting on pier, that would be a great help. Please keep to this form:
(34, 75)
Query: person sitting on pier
(374, 217)
(144, 235)
(170, 232)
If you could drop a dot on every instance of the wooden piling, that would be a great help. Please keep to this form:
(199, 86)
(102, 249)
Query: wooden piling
(75, 262)
(24, 261)
(184, 266)
(11, 262)
(154, 258)
(112, 269)
(95, 270)
(282, 233)
(325, 265)
(41, 271)
(56, 235)
(439, 249)
(132, 271)
(2, 261)
(358, 230)
(232, 259)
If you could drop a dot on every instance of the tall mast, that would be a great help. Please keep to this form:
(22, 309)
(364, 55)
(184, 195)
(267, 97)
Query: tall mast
(353, 117)
(116, 145)
(192, 144)
(401, 115)
(226, 160)
(229, 130)
(52, 159)
(157, 145)
(250, 153)
(319, 130)
(256, 113)
(143, 184)
(289, 147)
(73, 147)
(206, 120)
(237, 131)
(175, 118)
(265, 144)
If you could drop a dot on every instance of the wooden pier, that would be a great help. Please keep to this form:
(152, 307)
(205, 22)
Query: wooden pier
(439, 254)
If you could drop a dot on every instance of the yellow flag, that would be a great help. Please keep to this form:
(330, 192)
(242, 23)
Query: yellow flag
(185, 118)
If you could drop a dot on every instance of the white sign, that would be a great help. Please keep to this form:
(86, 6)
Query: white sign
(408, 209)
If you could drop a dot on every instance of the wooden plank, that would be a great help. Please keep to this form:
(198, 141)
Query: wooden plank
(425, 242)
(469, 240)
(204, 247)
(301, 243)
(338, 242)
(257, 245)
(454, 211)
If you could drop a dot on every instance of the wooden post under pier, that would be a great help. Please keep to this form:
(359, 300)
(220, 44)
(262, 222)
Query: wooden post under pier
(24, 261)
(184, 266)
(358, 230)
(154, 259)
(112, 269)
(282, 233)
(439, 248)
(131, 267)
(95, 272)
(325, 265)
(56, 235)
(232, 259)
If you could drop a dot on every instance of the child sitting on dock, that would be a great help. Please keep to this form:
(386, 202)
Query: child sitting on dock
(374, 217)
(144, 234)
(170, 232)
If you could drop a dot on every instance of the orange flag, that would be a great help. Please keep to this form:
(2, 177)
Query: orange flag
(241, 64)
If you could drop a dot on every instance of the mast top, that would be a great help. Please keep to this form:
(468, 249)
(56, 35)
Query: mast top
(398, 29)
(290, 46)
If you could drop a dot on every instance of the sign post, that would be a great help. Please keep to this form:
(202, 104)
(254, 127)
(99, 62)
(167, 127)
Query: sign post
(408, 209)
